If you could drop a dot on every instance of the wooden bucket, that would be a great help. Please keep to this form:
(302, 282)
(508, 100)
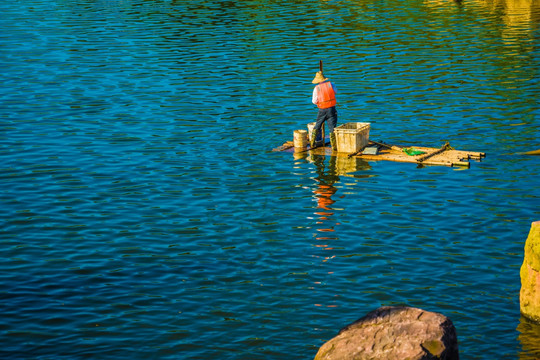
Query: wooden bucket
(300, 138)
(321, 136)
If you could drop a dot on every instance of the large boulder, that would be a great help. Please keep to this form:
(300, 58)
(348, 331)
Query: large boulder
(394, 333)
(529, 296)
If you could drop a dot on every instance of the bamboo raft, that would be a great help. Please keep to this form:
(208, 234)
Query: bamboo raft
(444, 156)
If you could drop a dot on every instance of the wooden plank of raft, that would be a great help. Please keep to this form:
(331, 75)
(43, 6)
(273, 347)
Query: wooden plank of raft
(285, 146)
(445, 156)
(470, 154)
(477, 155)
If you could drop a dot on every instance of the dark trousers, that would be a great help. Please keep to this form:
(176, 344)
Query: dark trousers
(330, 116)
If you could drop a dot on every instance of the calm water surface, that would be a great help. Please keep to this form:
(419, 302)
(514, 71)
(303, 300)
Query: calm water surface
(143, 213)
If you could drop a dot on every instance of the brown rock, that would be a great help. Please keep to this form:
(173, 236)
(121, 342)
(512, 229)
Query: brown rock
(394, 333)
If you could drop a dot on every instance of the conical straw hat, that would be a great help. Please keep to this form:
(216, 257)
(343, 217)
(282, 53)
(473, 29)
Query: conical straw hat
(319, 77)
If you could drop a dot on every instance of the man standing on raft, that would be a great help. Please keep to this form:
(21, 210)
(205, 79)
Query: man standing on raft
(324, 96)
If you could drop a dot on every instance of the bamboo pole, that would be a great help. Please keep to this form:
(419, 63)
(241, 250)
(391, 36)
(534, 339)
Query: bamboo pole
(462, 163)
(393, 147)
(473, 154)
(427, 156)
(437, 163)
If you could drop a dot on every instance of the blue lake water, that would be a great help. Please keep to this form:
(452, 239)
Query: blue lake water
(144, 215)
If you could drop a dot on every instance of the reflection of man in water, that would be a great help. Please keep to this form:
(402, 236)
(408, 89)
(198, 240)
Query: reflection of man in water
(325, 188)
(324, 194)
